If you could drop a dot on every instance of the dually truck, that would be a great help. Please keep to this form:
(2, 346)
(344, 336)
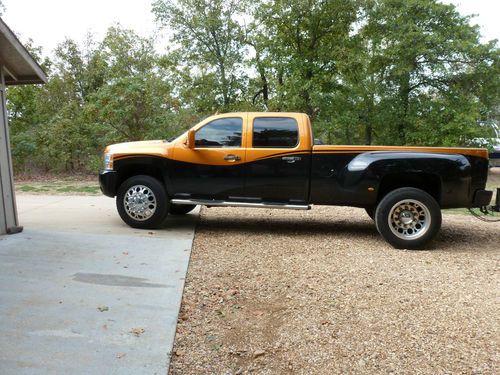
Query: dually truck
(269, 160)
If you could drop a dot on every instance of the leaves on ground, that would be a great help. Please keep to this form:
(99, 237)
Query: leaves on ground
(138, 331)
(102, 308)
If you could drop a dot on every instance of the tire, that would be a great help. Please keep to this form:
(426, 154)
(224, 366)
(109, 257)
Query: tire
(181, 209)
(139, 214)
(370, 211)
(408, 218)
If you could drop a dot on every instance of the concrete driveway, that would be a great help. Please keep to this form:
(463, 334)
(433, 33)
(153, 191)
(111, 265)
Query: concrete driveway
(82, 293)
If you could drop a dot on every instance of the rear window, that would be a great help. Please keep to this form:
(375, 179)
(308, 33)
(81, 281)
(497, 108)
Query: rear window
(282, 132)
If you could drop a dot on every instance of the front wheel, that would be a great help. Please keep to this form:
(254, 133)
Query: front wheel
(408, 218)
(142, 202)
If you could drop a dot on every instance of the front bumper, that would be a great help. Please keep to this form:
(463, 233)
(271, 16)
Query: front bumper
(482, 198)
(107, 182)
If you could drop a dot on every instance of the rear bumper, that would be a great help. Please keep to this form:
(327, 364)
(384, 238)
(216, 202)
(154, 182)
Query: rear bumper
(482, 198)
(107, 182)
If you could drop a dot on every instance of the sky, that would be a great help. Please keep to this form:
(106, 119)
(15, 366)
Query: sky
(49, 22)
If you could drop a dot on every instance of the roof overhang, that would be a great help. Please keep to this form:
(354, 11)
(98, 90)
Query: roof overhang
(20, 67)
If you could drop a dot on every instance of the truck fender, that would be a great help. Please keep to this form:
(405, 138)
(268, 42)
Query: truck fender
(431, 172)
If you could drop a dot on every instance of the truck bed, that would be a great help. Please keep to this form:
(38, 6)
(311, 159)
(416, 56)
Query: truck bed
(478, 152)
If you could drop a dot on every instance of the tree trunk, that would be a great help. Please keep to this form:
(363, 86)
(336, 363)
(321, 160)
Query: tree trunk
(280, 88)
(368, 132)
(225, 89)
(265, 87)
(367, 119)
(306, 96)
(263, 78)
(404, 97)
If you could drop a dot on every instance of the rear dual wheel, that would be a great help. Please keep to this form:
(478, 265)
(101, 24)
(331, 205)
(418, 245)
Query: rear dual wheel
(408, 218)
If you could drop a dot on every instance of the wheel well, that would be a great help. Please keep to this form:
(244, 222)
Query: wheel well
(427, 182)
(126, 172)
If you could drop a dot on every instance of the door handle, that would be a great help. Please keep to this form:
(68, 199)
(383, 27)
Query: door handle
(291, 159)
(232, 157)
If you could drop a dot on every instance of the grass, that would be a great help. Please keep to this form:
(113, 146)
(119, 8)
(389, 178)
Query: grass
(79, 189)
(62, 186)
(29, 188)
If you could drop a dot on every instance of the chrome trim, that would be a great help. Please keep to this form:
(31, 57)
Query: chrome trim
(291, 159)
(232, 157)
(139, 202)
(220, 203)
(409, 219)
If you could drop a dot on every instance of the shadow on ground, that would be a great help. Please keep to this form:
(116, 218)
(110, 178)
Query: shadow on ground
(358, 228)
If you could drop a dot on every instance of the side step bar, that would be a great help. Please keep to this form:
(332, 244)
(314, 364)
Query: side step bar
(218, 203)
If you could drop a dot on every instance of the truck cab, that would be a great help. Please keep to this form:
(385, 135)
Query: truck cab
(254, 157)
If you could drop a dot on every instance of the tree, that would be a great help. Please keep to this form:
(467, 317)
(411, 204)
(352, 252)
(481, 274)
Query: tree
(99, 94)
(367, 71)
(423, 49)
(210, 46)
(305, 41)
(27, 114)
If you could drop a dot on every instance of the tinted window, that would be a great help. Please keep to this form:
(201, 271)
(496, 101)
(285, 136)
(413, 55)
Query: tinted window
(275, 132)
(224, 132)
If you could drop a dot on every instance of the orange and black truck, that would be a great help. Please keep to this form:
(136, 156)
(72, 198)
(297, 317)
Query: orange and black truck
(270, 160)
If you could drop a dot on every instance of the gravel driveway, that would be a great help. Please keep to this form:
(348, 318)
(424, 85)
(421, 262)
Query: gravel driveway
(319, 292)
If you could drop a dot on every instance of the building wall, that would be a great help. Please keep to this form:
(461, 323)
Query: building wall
(8, 212)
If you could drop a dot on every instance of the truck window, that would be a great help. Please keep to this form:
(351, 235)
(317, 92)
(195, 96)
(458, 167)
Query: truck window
(224, 132)
(280, 132)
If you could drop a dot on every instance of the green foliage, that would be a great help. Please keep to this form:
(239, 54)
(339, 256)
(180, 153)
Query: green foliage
(424, 51)
(304, 43)
(367, 72)
(210, 50)
(109, 92)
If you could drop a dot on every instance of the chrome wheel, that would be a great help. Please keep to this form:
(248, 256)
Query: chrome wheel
(409, 219)
(139, 202)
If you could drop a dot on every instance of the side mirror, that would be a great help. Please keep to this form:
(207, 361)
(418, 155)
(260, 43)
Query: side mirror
(190, 139)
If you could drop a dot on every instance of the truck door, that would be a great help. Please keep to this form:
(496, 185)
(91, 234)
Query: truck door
(214, 169)
(278, 158)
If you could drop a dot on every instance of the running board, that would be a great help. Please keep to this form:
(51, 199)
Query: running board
(218, 203)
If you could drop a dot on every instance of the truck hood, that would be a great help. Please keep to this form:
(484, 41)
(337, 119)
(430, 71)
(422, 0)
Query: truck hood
(157, 148)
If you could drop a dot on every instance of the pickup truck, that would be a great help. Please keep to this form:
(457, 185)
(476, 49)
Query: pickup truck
(269, 160)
